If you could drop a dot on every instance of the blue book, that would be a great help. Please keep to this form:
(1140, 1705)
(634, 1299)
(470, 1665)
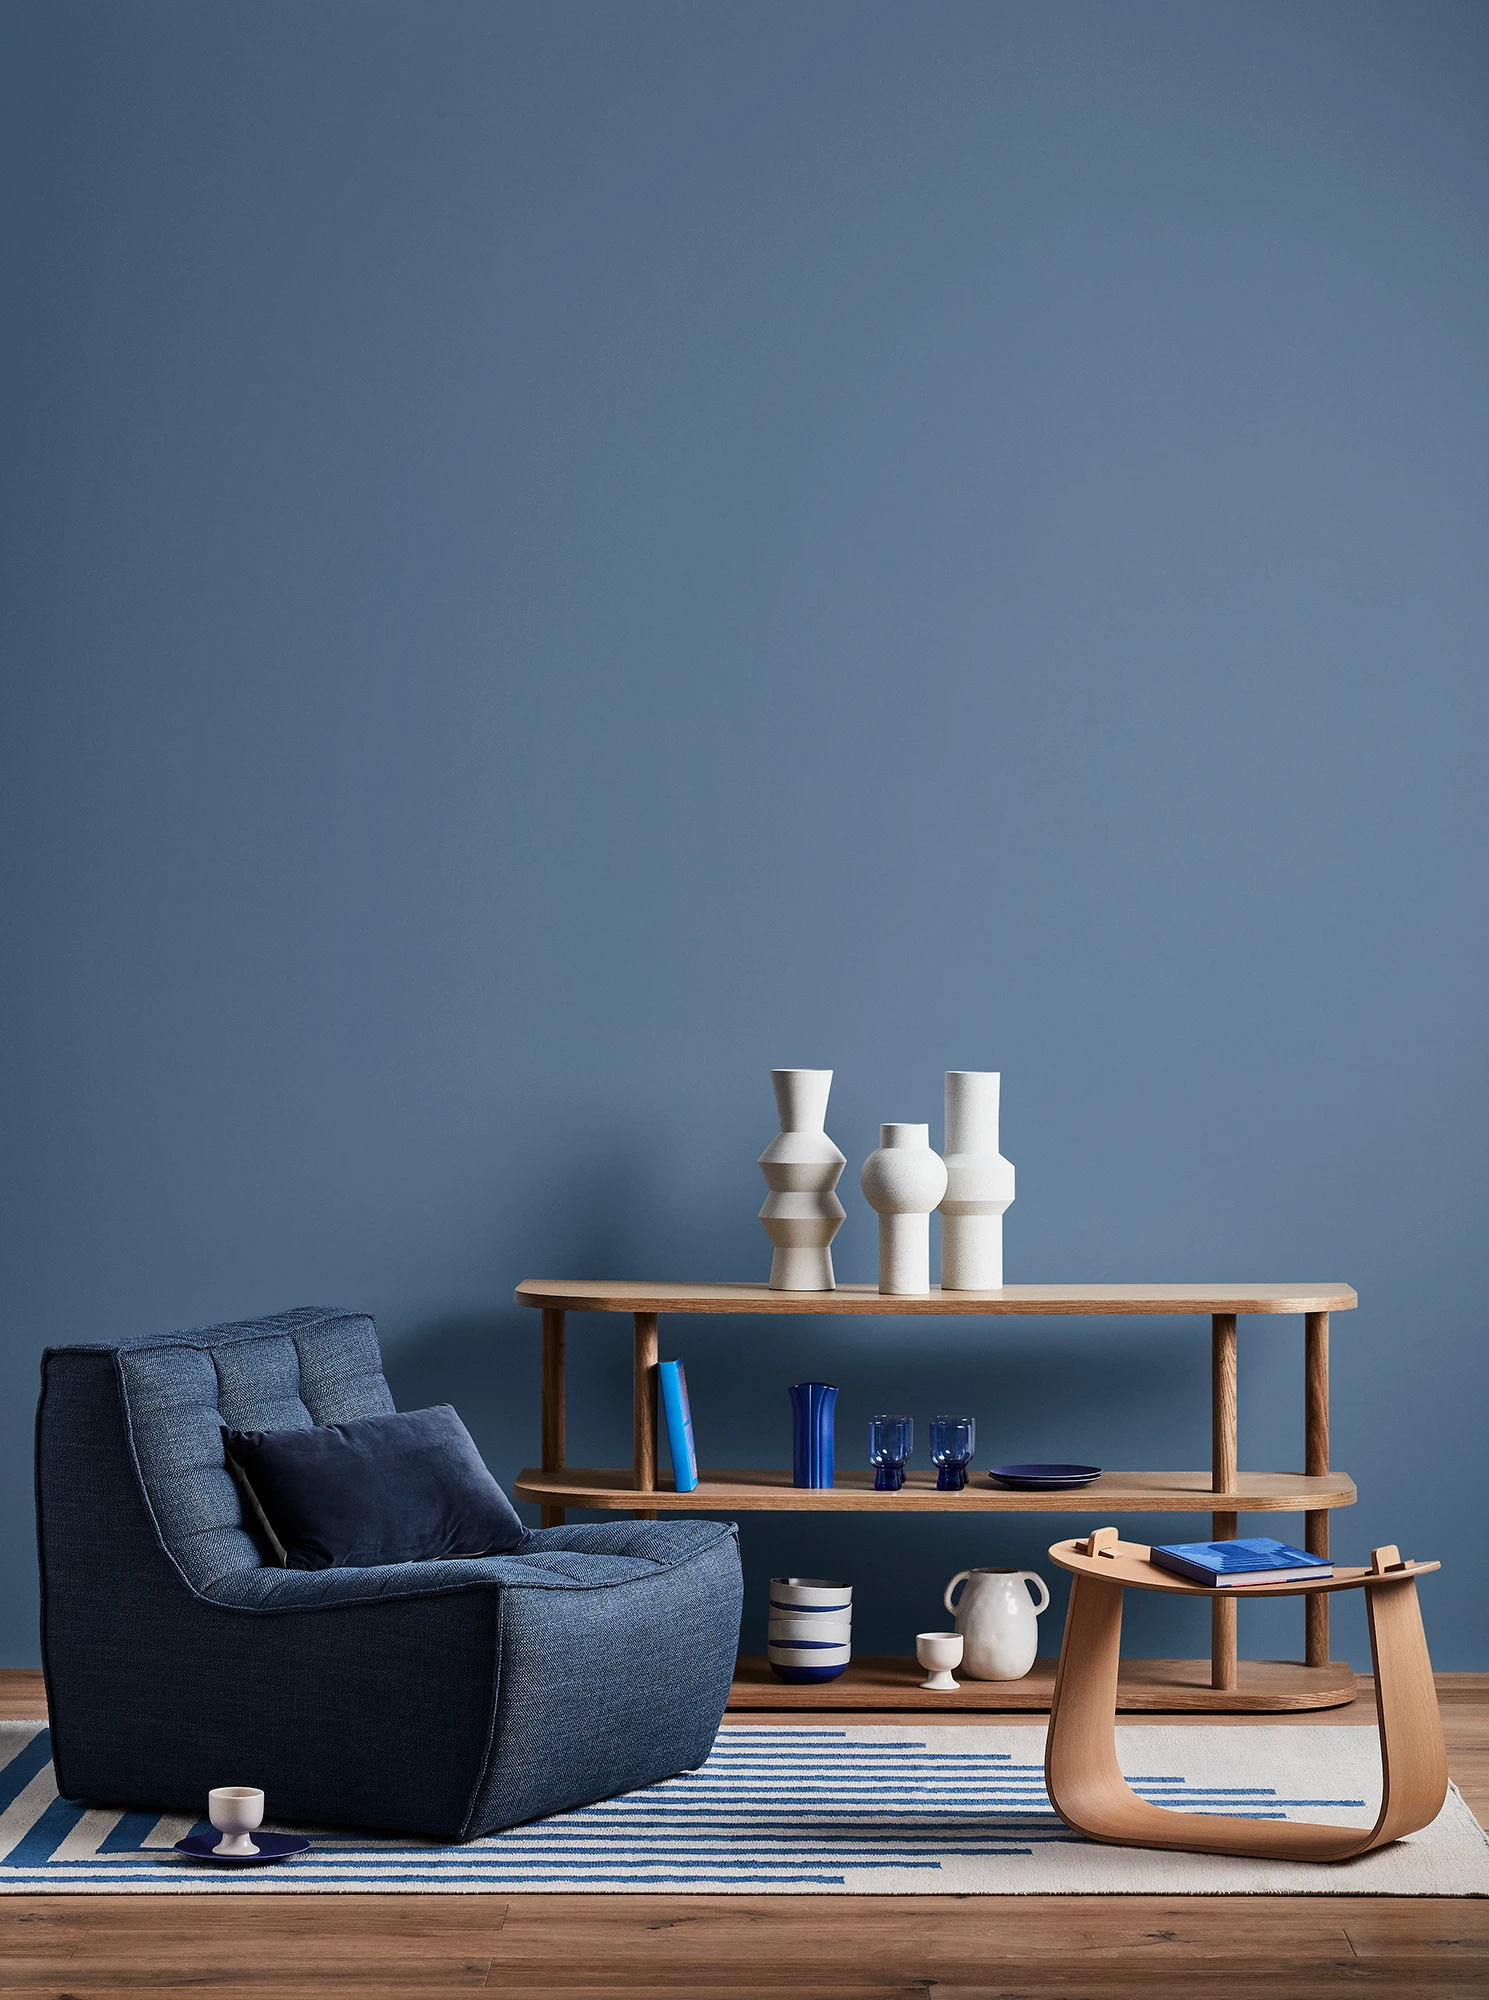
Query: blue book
(1228, 1565)
(679, 1425)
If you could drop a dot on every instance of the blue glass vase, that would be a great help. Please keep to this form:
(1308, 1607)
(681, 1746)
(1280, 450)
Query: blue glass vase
(811, 1433)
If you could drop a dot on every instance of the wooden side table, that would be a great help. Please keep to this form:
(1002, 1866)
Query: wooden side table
(1223, 1492)
(1085, 1782)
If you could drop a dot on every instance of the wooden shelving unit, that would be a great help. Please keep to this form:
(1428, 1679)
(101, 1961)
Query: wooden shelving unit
(1221, 1684)
(769, 1490)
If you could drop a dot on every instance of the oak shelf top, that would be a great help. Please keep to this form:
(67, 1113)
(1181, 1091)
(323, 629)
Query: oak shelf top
(1130, 1563)
(624, 1295)
(770, 1489)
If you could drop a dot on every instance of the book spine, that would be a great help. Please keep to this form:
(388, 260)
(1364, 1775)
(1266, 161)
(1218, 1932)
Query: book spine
(1191, 1572)
(674, 1387)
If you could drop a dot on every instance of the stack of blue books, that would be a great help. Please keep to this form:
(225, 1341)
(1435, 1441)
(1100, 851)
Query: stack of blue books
(1228, 1565)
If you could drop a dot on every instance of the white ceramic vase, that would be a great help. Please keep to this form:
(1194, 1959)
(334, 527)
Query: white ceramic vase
(998, 1623)
(903, 1181)
(979, 1184)
(801, 1166)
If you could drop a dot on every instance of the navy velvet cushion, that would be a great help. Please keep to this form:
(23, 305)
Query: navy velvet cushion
(408, 1487)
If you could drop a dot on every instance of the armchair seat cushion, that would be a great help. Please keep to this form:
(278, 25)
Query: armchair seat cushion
(607, 1553)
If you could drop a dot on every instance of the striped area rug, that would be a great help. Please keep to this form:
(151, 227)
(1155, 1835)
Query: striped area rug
(802, 1811)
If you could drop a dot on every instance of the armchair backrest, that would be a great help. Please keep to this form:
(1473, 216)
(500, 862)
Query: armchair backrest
(172, 1394)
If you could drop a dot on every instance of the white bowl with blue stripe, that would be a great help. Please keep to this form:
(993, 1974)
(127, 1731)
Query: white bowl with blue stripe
(811, 1628)
(809, 1593)
(784, 1630)
(817, 1658)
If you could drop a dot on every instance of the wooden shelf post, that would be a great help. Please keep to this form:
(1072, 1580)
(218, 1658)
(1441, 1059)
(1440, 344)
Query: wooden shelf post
(555, 1407)
(1223, 1480)
(644, 1412)
(1316, 1459)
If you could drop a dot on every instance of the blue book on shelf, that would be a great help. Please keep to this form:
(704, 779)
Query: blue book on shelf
(1226, 1564)
(679, 1426)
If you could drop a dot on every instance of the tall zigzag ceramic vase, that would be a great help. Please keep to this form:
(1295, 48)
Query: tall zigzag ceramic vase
(903, 1181)
(979, 1184)
(801, 1166)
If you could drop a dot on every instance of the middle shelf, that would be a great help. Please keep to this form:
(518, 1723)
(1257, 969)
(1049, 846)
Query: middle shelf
(769, 1489)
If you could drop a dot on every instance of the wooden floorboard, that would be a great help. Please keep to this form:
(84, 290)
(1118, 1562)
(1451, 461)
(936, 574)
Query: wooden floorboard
(773, 1947)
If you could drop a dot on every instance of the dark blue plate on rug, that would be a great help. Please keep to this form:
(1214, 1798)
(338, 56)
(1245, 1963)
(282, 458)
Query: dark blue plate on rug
(271, 1847)
(1046, 1478)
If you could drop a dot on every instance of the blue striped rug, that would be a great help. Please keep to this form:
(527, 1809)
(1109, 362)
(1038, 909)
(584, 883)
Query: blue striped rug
(804, 1810)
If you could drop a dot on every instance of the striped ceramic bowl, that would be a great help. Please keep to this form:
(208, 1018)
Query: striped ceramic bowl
(808, 1663)
(809, 1593)
(826, 1628)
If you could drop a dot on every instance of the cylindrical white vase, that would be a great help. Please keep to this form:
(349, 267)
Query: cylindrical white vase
(979, 1184)
(903, 1181)
(801, 1166)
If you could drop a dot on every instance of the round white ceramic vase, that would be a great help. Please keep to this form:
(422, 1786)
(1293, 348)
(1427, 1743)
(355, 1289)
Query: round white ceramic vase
(998, 1621)
(979, 1184)
(801, 1166)
(903, 1181)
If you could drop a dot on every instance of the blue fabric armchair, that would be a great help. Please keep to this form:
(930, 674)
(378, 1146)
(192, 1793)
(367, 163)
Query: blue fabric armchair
(445, 1698)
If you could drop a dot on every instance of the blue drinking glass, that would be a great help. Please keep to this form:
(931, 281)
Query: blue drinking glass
(891, 1441)
(953, 1441)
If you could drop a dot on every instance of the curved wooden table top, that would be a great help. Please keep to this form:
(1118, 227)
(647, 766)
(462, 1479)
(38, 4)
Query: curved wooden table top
(625, 1295)
(1129, 1563)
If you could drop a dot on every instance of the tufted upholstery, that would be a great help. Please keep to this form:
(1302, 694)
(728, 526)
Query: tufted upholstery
(445, 1698)
(287, 1373)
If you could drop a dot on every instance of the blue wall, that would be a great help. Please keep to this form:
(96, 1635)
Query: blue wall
(565, 554)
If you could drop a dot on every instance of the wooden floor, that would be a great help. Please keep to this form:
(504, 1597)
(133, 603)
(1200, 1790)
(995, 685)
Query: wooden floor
(736, 1947)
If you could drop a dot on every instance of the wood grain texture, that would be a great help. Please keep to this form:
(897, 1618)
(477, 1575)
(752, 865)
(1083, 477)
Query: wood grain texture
(1263, 1687)
(744, 1947)
(554, 1405)
(1128, 1563)
(769, 1489)
(1316, 1460)
(644, 1412)
(739, 1947)
(1224, 1525)
(1085, 1781)
(625, 1296)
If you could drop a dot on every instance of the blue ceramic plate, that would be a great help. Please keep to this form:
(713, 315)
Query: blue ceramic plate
(271, 1846)
(1051, 1478)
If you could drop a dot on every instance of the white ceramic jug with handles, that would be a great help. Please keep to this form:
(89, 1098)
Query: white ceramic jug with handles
(997, 1621)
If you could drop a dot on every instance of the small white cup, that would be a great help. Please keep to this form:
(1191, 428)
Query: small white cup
(939, 1651)
(236, 1811)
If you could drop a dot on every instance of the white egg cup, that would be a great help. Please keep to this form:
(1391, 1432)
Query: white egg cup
(236, 1811)
(939, 1652)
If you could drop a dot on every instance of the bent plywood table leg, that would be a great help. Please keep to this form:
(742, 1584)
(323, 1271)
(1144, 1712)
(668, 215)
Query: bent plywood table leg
(1085, 1781)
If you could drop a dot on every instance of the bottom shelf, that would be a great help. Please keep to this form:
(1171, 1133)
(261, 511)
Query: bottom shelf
(1165, 1685)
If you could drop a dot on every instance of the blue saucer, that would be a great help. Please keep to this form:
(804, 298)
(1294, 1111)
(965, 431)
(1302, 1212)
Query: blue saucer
(271, 1846)
(1045, 1478)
